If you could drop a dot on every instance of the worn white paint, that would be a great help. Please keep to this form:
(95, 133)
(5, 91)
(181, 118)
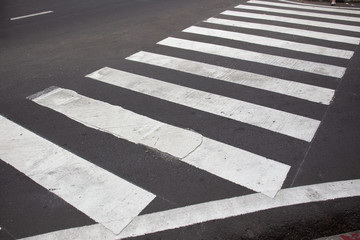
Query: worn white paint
(101, 195)
(244, 168)
(289, 88)
(121, 122)
(241, 167)
(299, 21)
(31, 15)
(285, 30)
(220, 209)
(271, 42)
(290, 63)
(278, 121)
(300, 13)
(312, 7)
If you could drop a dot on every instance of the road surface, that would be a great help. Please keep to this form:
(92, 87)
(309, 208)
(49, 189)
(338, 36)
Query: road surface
(178, 120)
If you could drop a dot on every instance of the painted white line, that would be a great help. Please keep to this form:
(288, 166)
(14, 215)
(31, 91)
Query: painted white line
(244, 168)
(286, 30)
(31, 15)
(133, 127)
(271, 42)
(300, 13)
(236, 165)
(312, 7)
(322, 6)
(101, 195)
(289, 88)
(284, 62)
(292, 20)
(237, 206)
(215, 210)
(274, 120)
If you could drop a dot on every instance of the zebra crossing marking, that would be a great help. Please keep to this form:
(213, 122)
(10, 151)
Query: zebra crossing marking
(317, 6)
(286, 87)
(271, 42)
(313, 23)
(133, 127)
(223, 160)
(214, 210)
(278, 61)
(312, 7)
(299, 13)
(285, 30)
(239, 166)
(101, 195)
(264, 117)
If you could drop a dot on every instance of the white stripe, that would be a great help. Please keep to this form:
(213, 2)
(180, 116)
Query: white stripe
(236, 165)
(133, 127)
(256, 115)
(215, 210)
(289, 88)
(31, 15)
(322, 6)
(293, 20)
(244, 168)
(312, 7)
(271, 42)
(300, 13)
(237, 206)
(286, 30)
(291, 63)
(99, 194)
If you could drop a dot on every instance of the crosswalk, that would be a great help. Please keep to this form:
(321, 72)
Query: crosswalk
(262, 40)
(245, 55)
(314, 23)
(72, 178)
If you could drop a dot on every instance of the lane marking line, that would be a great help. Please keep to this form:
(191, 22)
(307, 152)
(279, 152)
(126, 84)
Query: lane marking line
(307, 23)
(294, 89)
(271, 42)
(103, 196)
(273, 60)
(214, 210)
(233, 164)
(31, 15)
(285, 30)
(264, 117)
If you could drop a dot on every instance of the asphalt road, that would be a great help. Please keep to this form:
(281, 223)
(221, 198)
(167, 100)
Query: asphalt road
(78, 38)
